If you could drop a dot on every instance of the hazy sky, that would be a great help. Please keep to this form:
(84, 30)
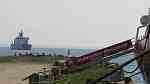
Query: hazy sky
(71, 23)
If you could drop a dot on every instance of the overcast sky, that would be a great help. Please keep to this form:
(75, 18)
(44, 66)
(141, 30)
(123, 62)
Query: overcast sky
(71, 23)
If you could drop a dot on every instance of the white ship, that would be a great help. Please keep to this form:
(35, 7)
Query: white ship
(21, 42)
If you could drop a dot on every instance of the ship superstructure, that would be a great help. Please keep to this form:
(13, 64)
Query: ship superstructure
(21, 42)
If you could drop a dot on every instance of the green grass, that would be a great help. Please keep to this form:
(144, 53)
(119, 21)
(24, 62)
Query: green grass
(40, 59)
(80, 77)
(7, 60)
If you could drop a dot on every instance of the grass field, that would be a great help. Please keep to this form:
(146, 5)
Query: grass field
(80, 77)
(33, 59)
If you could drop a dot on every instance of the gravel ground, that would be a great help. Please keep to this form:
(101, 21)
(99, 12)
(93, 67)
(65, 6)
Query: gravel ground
(14, 73)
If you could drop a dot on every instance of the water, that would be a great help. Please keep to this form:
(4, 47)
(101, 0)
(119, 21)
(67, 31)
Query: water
(6, 51)
(137, 79)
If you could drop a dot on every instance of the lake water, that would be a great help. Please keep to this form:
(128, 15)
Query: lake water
(5, 51)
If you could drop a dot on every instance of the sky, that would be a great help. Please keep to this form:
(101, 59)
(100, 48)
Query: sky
(71, 23)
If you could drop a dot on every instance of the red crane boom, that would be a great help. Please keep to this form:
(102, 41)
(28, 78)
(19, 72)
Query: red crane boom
(100, 53)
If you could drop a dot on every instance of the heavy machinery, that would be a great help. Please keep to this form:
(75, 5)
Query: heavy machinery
(140, 47)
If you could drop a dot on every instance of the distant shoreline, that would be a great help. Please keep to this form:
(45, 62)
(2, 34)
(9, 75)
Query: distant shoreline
(6, 51)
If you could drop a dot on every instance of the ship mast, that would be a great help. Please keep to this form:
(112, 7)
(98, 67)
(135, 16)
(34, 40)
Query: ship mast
(21, 33)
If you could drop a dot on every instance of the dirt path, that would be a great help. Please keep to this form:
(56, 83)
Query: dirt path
(14, 73)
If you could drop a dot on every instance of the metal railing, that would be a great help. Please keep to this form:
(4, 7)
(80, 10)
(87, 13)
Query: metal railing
(120, 67)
